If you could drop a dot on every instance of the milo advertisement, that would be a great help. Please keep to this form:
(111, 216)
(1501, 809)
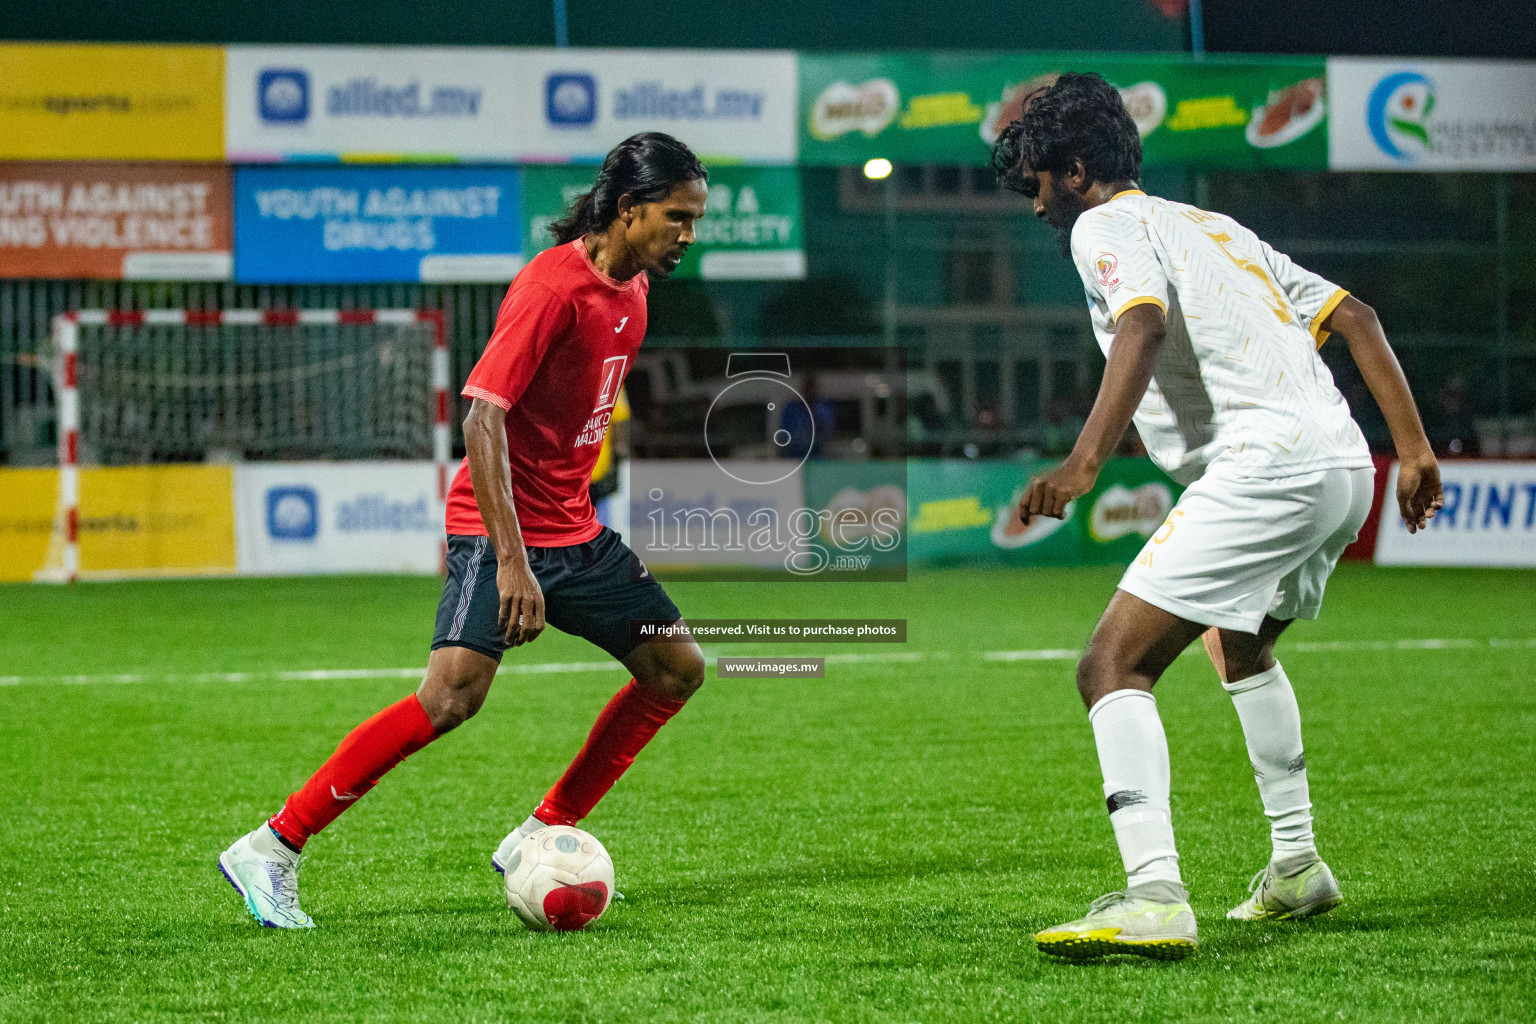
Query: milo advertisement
(950, 107)
(751, 229)
(965, 511)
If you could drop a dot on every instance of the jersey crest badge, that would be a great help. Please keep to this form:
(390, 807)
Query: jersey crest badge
(1107, 266)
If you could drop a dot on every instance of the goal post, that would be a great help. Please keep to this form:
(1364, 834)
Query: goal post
(176, 385)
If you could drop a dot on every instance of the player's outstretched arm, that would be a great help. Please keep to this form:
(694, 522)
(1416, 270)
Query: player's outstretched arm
(1418, 476)
(490, 471)
(1139, 334)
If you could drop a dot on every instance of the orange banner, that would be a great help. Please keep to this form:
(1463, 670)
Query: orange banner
(115, 221)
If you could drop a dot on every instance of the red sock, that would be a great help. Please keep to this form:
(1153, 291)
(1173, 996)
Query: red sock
(620, 732)
(361, 760)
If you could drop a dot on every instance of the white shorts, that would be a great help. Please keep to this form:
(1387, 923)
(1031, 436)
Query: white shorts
(1237, 548)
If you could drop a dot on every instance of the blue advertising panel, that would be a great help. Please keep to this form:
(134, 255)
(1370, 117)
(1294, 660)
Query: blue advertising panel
(300, 225)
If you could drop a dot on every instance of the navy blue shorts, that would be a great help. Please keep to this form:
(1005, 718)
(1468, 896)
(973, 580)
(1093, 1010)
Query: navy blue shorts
(591, 590)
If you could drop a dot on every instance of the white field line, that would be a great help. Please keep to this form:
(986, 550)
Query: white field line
(1302, 647)
(321, 675)
(880, 657)
(885, 656)
(1045, 654)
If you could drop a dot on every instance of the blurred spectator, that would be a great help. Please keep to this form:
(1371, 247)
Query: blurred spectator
(1062, 425)
(810, 425)
(989, 418)
(1451, 429)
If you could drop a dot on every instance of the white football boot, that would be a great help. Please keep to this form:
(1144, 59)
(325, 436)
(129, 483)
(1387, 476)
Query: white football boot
(1283, 892)
(266, 875)
(509, 845)
(1119, 923)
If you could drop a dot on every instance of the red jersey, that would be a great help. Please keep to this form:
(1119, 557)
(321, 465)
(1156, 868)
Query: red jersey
(565, 338)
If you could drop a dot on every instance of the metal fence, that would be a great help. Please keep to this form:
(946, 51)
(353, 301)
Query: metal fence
(961, 277)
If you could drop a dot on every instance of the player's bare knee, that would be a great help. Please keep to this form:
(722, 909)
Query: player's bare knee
(450, 714)
(1250, 663)
(691, 674)
(451, 699)
(1104, 668)
(677, 677)
(1094, 674)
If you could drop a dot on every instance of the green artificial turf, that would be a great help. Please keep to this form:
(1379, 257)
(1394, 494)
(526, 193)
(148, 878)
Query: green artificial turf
(877, 845)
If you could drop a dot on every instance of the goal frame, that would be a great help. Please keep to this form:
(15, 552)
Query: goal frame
(66, 343)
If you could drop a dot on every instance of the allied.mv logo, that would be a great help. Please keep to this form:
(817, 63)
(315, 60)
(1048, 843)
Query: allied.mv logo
(570, 100)
(293, 513)
(282, 95)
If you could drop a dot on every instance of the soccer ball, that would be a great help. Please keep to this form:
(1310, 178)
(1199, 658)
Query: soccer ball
(559, 879)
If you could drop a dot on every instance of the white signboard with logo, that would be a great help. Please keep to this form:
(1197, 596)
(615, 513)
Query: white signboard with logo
(504, 104)
(328, 102)
(730, 106)
(1489, 519)
(1431, 115)
(295, 518)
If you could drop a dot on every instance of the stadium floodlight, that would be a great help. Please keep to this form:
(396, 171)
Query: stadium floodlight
(877, 168)
(177, 385)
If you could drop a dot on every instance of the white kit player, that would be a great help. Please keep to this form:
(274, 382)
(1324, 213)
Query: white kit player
(1212, 342)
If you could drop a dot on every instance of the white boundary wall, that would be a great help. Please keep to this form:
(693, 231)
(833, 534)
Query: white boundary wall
(1489, 519)
(304, 518)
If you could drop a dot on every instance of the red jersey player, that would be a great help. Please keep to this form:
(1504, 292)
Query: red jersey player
(524, 544)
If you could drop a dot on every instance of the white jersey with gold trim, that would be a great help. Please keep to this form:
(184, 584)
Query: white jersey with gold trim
(1239, 373)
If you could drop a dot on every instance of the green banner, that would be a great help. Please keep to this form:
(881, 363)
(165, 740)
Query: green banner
(751, 230)
(968, 511)
(949, 107)
(861, 493)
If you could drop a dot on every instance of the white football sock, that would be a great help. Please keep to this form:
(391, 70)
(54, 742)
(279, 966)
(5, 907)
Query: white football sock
(1266, 705)
(1133, 754)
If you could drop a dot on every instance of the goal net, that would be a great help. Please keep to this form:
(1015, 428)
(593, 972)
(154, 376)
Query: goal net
(137, 387)
(174, 386)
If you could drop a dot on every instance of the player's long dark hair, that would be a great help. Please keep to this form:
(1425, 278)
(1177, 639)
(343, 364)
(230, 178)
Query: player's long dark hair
(1080, 116)
(645, 167)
